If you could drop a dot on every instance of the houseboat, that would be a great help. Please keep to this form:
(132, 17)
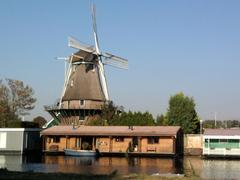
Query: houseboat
(221, 142)
(115, 140)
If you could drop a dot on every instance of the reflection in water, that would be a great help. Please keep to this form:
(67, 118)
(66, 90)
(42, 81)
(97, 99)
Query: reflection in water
(102, 165)
(109, 164)
(206, 169)
(215, 168)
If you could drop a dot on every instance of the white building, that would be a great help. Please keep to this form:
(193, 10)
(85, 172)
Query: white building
(221, 142)
(19, 140)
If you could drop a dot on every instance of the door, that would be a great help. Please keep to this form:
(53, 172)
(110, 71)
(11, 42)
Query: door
(135, 144)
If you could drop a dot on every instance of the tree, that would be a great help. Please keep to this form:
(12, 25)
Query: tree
(6, 114)
(40, 121)
(15, 99)
(109, 111)
(133, 119)
(181, 112)
(209, 124)
(21, 97)
(113, 115)
(160, 120)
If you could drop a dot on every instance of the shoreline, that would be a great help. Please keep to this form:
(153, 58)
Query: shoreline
(18, 175)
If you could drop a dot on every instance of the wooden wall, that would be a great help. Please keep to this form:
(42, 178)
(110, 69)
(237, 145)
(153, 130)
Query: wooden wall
(103, 144)
(165, 145)
(121, 146)
(53, 146)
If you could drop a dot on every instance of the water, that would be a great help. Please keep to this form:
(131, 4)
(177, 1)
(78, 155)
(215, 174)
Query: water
(214, 168)
(206, 169)
(102, 165)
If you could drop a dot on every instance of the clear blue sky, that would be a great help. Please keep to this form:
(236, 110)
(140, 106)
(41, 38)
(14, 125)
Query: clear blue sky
(172, 46)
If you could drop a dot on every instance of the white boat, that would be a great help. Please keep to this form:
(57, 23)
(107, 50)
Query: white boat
(74, 152)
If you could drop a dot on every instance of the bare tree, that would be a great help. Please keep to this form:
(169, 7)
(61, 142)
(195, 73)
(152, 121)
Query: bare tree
(4, 92)
(20, 97)
(6, 114)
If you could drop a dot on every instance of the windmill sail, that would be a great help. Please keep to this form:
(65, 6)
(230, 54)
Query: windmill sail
(103, 81)
(95, 29)
(115, 61)
(77, 45)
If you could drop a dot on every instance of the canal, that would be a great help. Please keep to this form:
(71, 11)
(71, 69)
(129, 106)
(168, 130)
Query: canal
(207, 169)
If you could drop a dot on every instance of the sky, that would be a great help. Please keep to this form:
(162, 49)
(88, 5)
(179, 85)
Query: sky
(172, 46)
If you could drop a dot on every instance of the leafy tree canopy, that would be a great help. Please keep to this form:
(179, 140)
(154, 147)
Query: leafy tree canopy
(161, 120)
(113, 115)
(40, 121)
(181, 111)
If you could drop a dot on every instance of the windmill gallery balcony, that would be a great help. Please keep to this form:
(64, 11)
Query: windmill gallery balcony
(75, 111)
(76, 104)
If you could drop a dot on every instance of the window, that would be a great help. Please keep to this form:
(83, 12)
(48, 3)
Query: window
(78, 142)
(214, 140)
(153, 140)
(81, 102)
(233, 143)
(233, 140)
(81, 115)
(56, 139)
(223, 140)
(91, 66)
(119, 139)
(206, 143)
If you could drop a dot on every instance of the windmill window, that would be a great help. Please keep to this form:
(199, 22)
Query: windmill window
(91, 66)
(81, 102)
(71, 83)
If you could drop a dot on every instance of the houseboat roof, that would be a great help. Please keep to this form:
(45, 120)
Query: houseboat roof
(222, 132)
(113, 130)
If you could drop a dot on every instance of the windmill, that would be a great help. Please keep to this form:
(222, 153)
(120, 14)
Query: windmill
(85, 87)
